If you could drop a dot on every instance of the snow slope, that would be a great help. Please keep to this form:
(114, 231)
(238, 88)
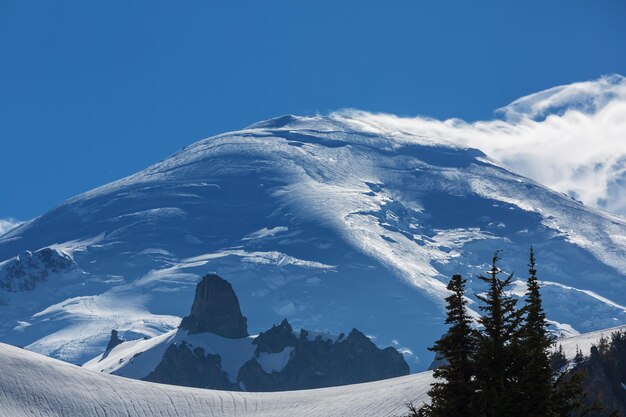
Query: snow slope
(585, 341)
(330, 222)
(137, 358)
(34, 385)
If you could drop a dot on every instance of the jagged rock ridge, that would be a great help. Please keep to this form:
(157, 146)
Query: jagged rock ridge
(276, 360)
(319, 362)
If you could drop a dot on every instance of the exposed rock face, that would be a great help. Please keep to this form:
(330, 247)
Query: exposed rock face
(320, 363)
(216, 310)
(437, 362)
(182, 366)
(113, 341)
(24, 272)
(276, 339)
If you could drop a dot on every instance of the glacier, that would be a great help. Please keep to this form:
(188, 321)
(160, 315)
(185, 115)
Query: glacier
(327, 221)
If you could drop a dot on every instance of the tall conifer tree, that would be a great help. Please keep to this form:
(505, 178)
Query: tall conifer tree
(535, 384)
(454, 394)
(495, 355)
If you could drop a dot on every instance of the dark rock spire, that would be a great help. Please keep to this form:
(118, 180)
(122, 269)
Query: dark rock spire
(216, 310)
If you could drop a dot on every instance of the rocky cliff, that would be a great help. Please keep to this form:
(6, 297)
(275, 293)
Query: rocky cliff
(216, 310)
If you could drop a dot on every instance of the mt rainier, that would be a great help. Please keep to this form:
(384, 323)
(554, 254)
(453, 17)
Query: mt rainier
(332, 222)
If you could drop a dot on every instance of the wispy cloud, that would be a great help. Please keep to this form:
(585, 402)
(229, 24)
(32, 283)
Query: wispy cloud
(8, 224)
(571, 138)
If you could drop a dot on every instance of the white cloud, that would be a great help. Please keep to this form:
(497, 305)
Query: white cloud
(570, 138)
(8, 224)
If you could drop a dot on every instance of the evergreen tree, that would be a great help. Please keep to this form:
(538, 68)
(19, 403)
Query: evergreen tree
(558, 360)
(579, 358)
(453, 396)
(569, 399)
(495, 356)
(506, 368)
(533, 356)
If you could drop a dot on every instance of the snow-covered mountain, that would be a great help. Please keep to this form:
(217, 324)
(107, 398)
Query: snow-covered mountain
(331, 222)
(33, 385)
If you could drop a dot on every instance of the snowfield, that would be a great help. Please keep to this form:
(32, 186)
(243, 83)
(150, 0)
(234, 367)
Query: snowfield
(585, 341)
(32, 385)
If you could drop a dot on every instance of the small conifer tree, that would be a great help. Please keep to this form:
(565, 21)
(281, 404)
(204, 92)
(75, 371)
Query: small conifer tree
(558, 359)
(579, 358)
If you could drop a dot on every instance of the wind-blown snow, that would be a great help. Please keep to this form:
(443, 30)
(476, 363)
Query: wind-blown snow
(8, 224)
(570, 138)
(271, 258)
(265, 232)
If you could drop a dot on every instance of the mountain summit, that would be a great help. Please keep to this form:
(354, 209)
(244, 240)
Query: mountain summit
(332, 222)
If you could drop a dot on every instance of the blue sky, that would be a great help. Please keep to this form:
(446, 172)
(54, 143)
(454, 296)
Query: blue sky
(93, 91)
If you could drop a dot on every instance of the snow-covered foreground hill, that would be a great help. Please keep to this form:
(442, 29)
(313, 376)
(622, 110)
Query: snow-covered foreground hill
(330, 222)
(34, 385)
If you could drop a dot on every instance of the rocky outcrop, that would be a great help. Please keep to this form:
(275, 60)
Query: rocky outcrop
(276, 339)
(216, 310)
(320, 362)
(26, 270)
(282, 360)
(437, 362)
(192, 368)
(113, 341)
